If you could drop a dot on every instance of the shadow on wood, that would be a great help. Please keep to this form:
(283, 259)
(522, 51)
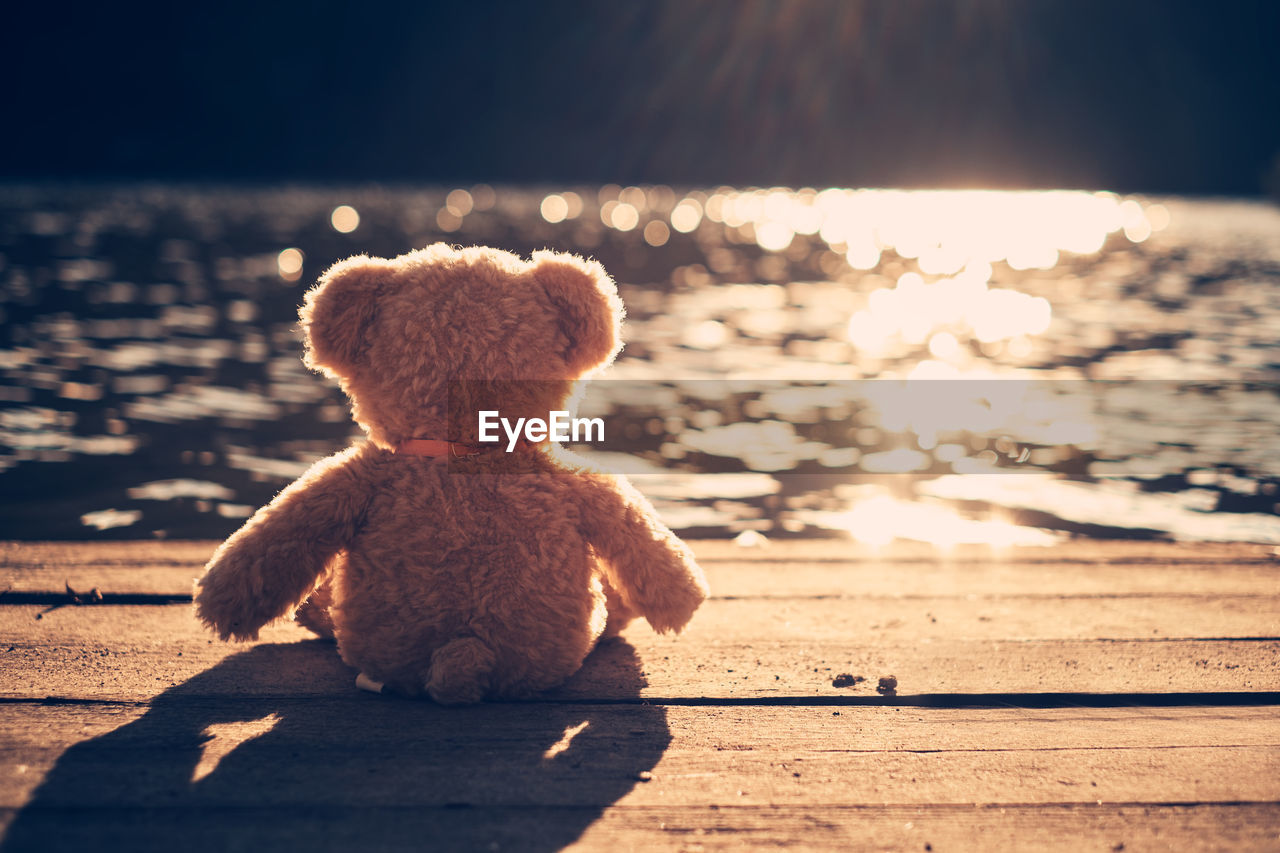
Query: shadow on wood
(202, 769)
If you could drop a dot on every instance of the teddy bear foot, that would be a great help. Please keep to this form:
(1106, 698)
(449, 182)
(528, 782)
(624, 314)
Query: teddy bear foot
(314, 613)
(460, 671)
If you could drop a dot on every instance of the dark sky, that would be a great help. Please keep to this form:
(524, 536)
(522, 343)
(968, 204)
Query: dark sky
(1123, 94)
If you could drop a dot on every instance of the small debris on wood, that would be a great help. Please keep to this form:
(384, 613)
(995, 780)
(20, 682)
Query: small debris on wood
(888, 685)
(93, 596)
(846, 679)
(644, 776)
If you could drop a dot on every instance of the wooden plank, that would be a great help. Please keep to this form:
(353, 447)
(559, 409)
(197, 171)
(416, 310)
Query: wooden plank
(171, 553)
(929, 618)
(386, 774)
(975, 580)
(773, 670)
(1119, 552)
(778, 579)
(1069, 828)
(122, 568)
(827, 620)
(141, 658)
(791, 569)
(730, 735)
(291, 752)
(52, 728)
(196, 552)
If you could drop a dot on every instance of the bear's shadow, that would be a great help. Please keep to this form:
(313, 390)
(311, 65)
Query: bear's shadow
(354, 772)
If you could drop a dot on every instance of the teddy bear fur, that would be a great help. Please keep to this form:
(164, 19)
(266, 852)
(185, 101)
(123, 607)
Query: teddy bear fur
(492, 575)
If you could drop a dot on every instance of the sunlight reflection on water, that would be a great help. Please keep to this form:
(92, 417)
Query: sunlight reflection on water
(150, 380)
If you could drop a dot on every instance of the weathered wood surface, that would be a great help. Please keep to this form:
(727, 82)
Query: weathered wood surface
(133, 653)
(943, 827)
(745, 756)
(802, 568)
(1078, 697)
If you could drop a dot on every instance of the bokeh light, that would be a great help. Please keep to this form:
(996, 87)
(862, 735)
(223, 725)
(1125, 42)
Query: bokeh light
(447, 220)
(573, 203)
(459, 202)
(656, 233)
(554, 208)
(1158, 216)
(624, 216)
(483, 197)
(289, 264)
(344, 219)
(774, 236)
(686, 216)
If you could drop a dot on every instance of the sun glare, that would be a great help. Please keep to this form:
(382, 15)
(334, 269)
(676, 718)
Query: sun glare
(879, 520)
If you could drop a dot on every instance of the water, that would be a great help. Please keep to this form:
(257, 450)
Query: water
(150, 380)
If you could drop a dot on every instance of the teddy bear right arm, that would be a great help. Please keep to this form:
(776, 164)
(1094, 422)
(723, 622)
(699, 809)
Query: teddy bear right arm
(271, 564)
(652, 570)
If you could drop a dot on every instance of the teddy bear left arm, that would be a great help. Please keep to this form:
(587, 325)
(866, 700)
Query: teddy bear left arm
(653, 572)
(271, 564)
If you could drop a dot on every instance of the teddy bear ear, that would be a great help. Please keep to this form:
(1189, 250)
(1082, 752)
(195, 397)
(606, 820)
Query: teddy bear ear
(590, 310)
(339, 311)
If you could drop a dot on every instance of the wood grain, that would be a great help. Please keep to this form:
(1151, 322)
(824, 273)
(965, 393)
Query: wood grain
(1078, 697)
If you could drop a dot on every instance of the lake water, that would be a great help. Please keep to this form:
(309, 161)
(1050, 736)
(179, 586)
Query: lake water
(953, 367)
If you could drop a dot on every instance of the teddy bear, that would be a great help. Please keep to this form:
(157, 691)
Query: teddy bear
(445, 566)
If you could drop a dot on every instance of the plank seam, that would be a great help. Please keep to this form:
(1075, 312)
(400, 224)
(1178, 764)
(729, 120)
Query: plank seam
(1030, 701)
(52, 597)
(771, 807)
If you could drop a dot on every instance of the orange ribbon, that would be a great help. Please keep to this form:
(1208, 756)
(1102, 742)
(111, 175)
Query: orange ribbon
(437, 447)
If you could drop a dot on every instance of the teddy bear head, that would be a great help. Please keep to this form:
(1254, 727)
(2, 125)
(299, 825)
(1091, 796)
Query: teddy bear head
(418, 340)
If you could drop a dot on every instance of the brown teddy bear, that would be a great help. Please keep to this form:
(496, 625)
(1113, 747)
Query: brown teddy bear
(441, 564)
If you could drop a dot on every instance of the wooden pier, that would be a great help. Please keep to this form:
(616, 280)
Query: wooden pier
(1090, 696)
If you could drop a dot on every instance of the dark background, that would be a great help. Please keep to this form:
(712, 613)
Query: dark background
(1124, 94)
